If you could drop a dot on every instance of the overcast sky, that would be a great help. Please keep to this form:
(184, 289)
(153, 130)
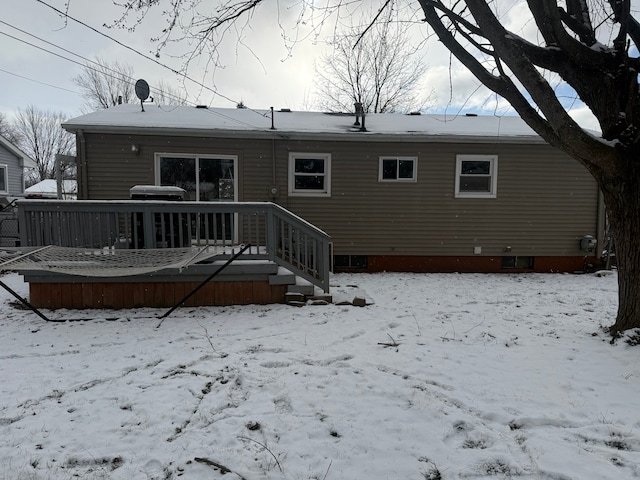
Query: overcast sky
(260, 71)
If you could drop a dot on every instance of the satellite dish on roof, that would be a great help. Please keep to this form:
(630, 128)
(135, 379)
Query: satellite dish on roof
(142, 91)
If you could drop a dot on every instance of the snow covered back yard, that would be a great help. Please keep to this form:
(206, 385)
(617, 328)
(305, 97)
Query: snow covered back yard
(443, 376)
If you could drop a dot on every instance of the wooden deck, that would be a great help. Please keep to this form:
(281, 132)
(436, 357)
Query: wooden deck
(283, 248)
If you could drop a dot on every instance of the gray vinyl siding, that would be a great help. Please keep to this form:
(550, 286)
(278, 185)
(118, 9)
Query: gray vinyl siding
(545, 201)
(15, 171)
(112, 168)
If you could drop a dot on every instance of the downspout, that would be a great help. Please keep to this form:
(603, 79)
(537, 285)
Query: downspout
(273, 164)
(273, 190)
(81, 146)
(600, 225)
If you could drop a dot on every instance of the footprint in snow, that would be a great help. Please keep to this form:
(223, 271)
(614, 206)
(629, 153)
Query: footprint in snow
(283, 404)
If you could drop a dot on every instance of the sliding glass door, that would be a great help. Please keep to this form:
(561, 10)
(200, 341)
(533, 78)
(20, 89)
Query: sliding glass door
(205, 178)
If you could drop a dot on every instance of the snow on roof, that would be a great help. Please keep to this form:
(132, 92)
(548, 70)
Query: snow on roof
(226, 121)
(49, 189)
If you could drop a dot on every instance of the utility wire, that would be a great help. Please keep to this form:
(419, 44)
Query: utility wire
(120, 77)
(102, 69)
(181, 74)
(37, 81)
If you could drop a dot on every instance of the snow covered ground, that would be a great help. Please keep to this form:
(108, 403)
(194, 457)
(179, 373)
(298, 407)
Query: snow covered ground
(443, 376)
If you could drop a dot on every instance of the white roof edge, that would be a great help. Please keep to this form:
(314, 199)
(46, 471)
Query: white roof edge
(414, 137)
(245, 123)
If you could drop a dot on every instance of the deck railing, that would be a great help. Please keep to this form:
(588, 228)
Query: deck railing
(274, 233)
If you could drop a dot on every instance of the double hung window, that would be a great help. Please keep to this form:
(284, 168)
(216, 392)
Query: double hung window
(476, 176)
(310, 174)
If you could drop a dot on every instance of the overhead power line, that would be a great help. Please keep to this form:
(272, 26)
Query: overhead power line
(37, 81)
(99, 70)
(102, 69)
(137, 52)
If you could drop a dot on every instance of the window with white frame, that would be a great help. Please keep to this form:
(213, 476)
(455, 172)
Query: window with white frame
(476, 176)
(4, 179)
(397, 169)
(310, 174)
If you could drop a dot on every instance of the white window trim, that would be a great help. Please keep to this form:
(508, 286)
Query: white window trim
(158, 157)
(6, 178)
(393, 180)
(493, 172)
(327, 175)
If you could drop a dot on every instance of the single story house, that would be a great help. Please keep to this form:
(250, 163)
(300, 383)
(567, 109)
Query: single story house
(13, 163)
(395, 192)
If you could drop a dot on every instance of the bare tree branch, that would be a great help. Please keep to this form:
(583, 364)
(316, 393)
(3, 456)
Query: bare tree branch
(381, 70)
(41, 137)
(105, 84)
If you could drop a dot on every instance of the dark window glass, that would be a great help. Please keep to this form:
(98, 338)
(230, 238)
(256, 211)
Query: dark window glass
(350, 261)
(359, 261)
(216, 179)
(180, 172)
(475, 184)
(309, 165)
(3, 179)
(480, 167)
(524, 262)
(341, 261)
(310, 182)
(389, 169)
(406, 169)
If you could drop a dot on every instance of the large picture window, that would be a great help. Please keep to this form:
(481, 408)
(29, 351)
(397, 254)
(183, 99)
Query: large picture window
(476, 176)
(4, 179)
(205, 178)
(397, 169)
(310, 174)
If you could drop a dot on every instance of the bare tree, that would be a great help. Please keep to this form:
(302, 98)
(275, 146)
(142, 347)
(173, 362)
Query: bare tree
(165, 94)
(105, 84)
(7, 130)
(41, 137)
(380, 69)
(588, 44)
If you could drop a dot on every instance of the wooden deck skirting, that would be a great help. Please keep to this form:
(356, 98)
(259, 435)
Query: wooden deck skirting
(241, 283)
(119, 295)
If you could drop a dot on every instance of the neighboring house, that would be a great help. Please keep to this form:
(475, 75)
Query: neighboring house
(49, 189)
(13, 163)
(411, 193)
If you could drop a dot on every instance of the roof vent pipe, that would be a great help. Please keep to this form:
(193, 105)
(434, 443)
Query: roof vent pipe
(273, 126)
(359, 113)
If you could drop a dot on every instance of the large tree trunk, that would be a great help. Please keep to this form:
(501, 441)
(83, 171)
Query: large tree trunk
(622, 199)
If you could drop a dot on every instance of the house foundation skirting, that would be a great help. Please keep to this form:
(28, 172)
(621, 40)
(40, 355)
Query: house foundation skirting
(475, 264)
(117, 295)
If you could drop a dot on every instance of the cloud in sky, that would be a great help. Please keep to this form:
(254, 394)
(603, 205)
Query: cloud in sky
(258, 68)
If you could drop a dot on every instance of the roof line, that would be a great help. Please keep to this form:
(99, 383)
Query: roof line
(415, 137)
(17, 152)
